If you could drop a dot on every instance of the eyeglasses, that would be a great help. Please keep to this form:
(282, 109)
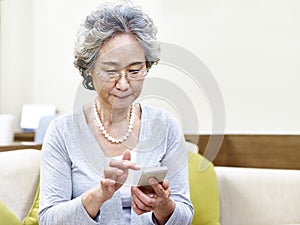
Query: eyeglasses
(114, 75)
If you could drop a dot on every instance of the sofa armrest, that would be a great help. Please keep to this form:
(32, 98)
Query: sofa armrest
(259, 196)
(19, 176)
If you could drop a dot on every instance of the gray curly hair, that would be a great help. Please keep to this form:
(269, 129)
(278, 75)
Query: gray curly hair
(104, 23)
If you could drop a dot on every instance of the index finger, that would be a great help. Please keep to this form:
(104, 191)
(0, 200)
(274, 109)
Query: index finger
(124, 164)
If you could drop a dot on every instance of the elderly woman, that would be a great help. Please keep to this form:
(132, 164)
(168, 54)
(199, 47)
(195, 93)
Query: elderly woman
(87, 156)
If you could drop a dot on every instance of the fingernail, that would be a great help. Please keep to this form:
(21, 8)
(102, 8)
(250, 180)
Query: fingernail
(151, 195)
(112, 182)
(136, 166)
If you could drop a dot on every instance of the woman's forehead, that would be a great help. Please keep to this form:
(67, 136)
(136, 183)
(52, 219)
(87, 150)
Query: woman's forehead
(121, 48)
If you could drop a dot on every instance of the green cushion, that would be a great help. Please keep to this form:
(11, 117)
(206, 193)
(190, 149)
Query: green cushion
(32, 216)
(204, 191)
(7, 217)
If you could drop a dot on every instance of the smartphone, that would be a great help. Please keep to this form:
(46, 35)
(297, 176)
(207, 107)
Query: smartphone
(157, 172)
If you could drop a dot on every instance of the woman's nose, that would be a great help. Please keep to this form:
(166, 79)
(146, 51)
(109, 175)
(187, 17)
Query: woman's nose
(122, 83)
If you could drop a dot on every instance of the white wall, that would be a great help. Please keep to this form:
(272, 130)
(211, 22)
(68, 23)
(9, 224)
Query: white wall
(251, 48)
(56, 24)
(16, 71)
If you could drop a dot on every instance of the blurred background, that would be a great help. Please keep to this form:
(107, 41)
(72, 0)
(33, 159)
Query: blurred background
(251, 48)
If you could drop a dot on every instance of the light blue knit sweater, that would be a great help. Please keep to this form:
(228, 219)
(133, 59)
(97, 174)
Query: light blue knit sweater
(72, 163)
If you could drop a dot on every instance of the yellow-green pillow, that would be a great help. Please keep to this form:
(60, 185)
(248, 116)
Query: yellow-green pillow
(204, 191)
(32, 216)
(7, 217)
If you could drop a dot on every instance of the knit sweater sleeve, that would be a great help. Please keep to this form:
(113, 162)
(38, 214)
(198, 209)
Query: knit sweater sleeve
(177, 162)
(56, 204)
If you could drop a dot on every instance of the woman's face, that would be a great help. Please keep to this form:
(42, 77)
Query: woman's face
(122, 54)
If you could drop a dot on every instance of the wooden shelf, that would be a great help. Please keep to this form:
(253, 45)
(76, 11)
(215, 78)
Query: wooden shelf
(24, 136)
(19, 146)
(257, 151)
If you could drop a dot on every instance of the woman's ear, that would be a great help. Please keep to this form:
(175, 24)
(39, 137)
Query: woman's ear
(88, 82)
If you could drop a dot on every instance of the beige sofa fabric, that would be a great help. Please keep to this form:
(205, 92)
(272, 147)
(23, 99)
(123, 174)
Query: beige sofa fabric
(19, 177)
(248, 196)
(259, 196)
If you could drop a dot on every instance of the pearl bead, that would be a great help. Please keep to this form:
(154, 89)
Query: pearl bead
(105, 132)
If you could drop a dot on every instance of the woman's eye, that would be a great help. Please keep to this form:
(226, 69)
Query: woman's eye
(111, 72)
(134, 71)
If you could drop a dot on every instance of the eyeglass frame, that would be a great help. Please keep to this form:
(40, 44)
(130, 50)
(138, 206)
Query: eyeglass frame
(103, 76)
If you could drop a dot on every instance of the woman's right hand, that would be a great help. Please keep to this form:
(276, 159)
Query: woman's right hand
(115, 176)
(117, 173)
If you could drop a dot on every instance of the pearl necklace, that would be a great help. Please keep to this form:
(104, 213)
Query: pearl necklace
(104, 131)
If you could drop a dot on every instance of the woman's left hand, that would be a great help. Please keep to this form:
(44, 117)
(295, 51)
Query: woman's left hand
(159, 202)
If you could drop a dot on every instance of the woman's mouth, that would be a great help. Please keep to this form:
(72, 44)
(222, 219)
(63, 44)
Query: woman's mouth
(121, 97)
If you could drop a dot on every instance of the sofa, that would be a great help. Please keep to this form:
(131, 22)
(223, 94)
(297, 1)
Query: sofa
(221, 195)
(19, 176)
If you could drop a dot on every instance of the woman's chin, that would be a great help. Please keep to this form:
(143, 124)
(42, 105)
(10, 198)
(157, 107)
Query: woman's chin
(122, 102)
